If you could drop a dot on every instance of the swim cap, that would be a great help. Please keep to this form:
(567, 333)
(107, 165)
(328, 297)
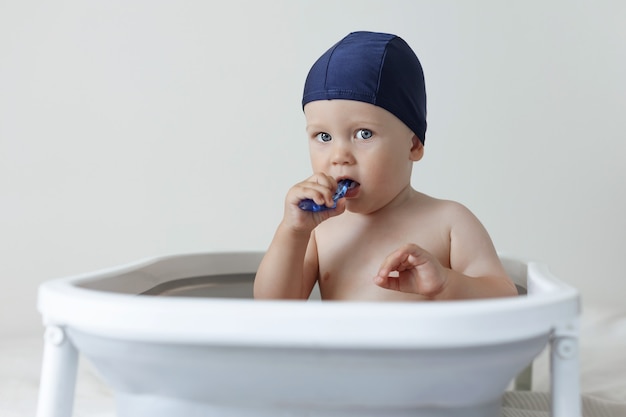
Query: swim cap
(376, 68)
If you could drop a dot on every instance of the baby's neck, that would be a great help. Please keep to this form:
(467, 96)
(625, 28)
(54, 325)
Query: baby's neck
(406, 198)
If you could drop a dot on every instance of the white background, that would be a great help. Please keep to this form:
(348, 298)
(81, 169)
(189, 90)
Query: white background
(139, 128)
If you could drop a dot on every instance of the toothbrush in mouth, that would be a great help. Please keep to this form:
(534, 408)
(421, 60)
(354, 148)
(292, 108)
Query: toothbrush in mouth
(310, 205)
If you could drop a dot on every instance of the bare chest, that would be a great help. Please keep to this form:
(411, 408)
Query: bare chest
(350, 256)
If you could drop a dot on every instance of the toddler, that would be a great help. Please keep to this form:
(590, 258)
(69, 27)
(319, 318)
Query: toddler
(365, 108)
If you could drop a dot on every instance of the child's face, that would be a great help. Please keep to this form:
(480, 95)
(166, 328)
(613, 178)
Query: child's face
(365, 143)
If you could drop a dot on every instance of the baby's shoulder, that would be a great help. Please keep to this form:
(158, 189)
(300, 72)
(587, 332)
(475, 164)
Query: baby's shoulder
(441, 207)
(447, 215)
(455, 218)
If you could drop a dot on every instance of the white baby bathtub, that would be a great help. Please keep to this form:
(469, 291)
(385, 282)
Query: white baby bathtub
(180, 336)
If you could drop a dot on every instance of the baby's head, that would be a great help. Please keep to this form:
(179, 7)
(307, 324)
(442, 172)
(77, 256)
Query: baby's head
(376, 68)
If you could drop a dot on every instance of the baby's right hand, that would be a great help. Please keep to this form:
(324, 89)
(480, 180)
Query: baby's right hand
(320, 188)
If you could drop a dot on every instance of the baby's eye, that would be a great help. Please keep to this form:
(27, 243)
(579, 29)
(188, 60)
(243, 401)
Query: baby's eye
(324, 137)
(364, 134)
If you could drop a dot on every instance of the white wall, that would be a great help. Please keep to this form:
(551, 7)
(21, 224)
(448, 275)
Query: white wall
(138, 128)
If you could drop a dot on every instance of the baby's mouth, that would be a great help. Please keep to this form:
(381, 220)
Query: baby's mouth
(352, 187)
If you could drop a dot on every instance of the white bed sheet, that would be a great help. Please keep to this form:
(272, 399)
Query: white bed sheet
(602, 358)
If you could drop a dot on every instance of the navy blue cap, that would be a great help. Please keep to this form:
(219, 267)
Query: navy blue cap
(376, 68)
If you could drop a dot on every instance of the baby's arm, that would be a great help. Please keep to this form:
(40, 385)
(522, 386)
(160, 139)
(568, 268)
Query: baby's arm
(289, 268)
(475, 269)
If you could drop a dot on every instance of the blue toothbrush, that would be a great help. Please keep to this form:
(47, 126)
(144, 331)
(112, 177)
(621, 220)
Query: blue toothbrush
(310, 205)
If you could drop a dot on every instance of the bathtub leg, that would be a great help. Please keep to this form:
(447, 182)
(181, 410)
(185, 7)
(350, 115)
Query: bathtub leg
(58, 374)
(565, 379)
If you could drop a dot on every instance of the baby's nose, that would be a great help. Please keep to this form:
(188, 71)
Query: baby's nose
(342, 154)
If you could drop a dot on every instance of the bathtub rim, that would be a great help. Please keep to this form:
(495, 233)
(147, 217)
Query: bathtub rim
(334, 324)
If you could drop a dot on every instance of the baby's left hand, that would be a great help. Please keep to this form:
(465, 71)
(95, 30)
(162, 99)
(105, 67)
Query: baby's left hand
(417, 271)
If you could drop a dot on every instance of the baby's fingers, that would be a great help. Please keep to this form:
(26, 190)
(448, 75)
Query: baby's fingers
(390, 283)
(319, 188)
(407, 257)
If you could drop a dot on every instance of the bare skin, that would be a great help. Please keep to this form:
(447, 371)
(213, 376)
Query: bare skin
(385, 240)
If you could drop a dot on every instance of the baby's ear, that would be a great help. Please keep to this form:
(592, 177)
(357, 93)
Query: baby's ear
(417, 149)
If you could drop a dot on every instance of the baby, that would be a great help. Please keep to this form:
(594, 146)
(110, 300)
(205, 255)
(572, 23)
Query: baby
(365, 107)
